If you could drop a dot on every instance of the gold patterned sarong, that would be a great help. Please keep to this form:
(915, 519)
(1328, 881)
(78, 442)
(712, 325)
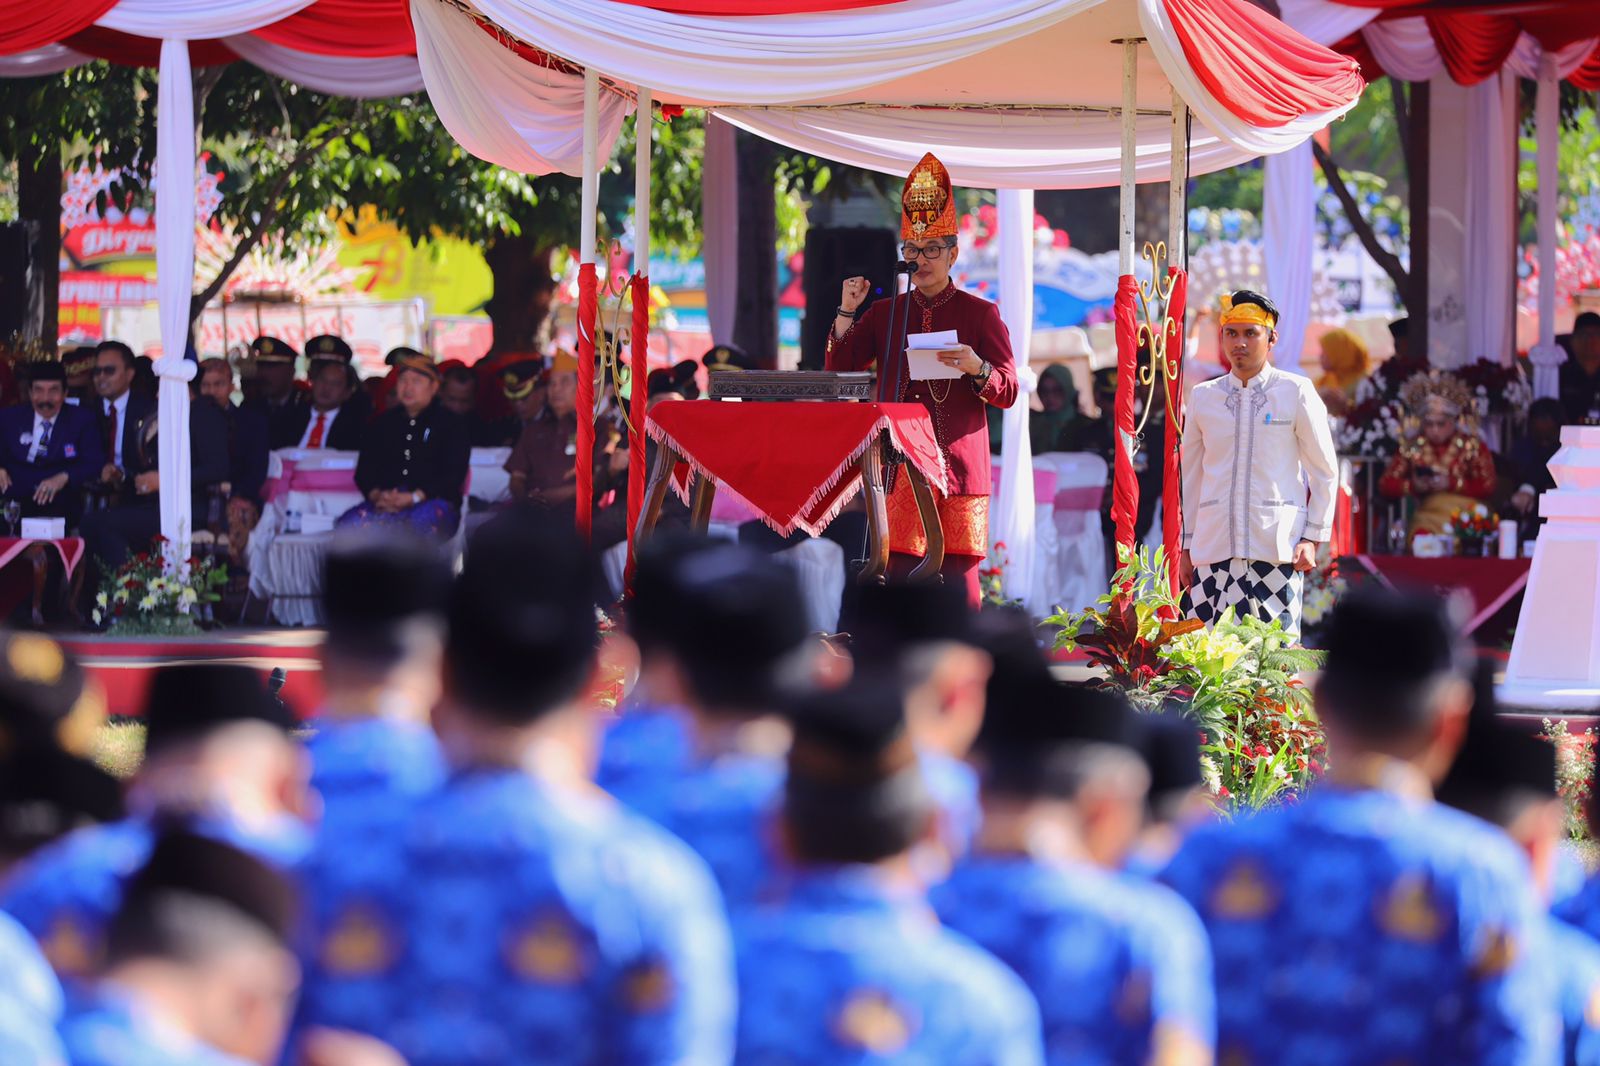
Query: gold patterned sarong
(965, 520)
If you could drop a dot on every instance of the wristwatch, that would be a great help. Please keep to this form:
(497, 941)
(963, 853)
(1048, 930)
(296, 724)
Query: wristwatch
(980, 380)
(416, 497)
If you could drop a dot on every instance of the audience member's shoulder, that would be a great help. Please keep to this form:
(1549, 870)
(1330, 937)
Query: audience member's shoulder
(983, 980)
(25, 975)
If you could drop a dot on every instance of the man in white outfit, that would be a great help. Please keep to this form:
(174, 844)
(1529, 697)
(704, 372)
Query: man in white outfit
(1259, 475)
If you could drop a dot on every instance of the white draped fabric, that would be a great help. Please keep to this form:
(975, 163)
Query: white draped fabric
(355, 76)
(175, 196)
(197, 20)
(1324, 21)
(1012, 520)
(1288, 239)
(1490, 269)
(987, 148)
(501, 107)
(719, 224)
(1405, 48)
(51, 59)
(1547, 356)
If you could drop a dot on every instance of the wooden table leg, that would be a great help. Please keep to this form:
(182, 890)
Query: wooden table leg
(872, 478)
(655, 493)
(928, 569)
(705, 491)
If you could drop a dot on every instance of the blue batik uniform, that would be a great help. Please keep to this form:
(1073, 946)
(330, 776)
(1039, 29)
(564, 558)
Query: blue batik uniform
(1567, 876)
(502, 919)
(110, 1029)
(66, 894)
(849, 970)
(1120, 968)
(1366, 927)
(643, 747)
(1577, 967)
(30, 1001)
(359, 765)
(1581, 908)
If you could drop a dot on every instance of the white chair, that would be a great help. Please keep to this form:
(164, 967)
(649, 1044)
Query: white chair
(1081, 576)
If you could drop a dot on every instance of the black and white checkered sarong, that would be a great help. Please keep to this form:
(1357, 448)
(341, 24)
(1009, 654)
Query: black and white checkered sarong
(1266, 590)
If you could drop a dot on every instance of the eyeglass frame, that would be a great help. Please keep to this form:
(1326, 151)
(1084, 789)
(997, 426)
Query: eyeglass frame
(910, 252)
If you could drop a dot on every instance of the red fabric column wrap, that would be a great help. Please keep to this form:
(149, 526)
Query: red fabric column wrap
(638, 393)
(588, 317)
(1172, 483)
(1124, 484)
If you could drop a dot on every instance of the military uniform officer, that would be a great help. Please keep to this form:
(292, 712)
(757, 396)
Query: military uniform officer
(852, 966)
(414, 460)
(385, 598)
(1120, 967)
(274, 391)
(1369, 923)
(218, 755)
(517, 911)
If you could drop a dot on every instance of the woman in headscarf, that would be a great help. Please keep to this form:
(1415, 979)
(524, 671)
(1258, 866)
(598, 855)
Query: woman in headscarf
(1345, 364)
(1058, 400)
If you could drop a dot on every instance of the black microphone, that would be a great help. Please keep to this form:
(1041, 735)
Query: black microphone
(904, 267)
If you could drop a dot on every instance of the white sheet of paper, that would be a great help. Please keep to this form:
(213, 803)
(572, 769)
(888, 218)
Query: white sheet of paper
(943, 340)
(925, 365)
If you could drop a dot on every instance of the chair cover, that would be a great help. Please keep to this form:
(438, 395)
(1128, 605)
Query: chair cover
(1081, 576)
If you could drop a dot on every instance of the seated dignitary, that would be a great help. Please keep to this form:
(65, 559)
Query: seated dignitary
(122, 411)
(414, 459)
(723, 639)
(541, 464)
(1370, 923)
(198, 970)
(331, 419)
(274, 391)
(384, 595)
(1120, 966)
(1508, 779)
(247, 454)
(850, 967)
(517, 907)
(459, 395)
(218, 754)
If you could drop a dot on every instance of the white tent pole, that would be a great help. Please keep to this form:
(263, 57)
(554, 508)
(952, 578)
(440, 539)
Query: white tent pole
(643, 135)
(1130, 118)
(175, 199)
(1547, 356)
(588, 220)
(1177, 189)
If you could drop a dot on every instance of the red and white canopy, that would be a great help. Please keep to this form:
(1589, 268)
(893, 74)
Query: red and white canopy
(1416, 40)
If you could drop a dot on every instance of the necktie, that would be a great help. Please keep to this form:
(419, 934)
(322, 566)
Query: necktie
(44, 441)
(111, 434)
(316, 432)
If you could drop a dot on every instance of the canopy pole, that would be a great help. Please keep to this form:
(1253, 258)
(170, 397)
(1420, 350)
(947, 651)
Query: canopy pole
(1547, 356)
(1178, 187)
(1130, 118)
(644, 137)
(588, 304)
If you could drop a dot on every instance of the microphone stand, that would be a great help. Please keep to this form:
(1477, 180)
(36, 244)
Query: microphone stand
(889, 379)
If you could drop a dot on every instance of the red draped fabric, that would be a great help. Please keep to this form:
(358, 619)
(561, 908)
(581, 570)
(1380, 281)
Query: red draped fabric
(1124, 482)
(1355, 46)
(1258, 68)
(1587, 77)
(638, 371)
(752, 7)
(1473, 46)
(369, 28)
(588, 316)
(131, 51)
(1172, 478)
(29, 24)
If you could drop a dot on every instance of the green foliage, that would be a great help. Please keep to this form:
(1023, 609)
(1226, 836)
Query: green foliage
(95, 112)
(1574, 774)
(1577, 174)
(1238, 680)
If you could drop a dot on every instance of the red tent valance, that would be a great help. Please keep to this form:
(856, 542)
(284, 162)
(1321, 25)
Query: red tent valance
(132, 51)
(1475, 44)
(370, 28)
(1258, 68)
(29, 24)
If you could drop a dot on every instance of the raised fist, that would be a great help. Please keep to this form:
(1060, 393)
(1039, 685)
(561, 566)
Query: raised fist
(855, 291)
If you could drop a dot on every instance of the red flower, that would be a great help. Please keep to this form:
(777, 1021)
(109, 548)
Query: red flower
(1000, 545)
(1222, 790)
(159, 539)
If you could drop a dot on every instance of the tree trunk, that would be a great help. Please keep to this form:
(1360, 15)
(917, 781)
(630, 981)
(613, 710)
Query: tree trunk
(1150, 204)
(755, 311)
(39, 202)
(524, 292)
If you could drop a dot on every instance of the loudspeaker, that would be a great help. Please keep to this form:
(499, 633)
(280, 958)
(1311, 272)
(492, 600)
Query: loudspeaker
(15, 258)
(833, 254)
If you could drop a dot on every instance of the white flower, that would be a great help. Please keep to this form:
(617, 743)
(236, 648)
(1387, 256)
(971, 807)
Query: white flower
(121, 596)
(95, 614)
(148, 603)
(100, 600)
(1481, 511)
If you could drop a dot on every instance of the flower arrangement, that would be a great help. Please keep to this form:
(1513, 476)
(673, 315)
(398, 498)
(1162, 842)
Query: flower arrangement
(609, 692)
(1472, 527)
(992, 578)
(1323, 588)
(1384, 411)
(1498, 389)
(1238, 680)
(144, 596)
(1574, 773)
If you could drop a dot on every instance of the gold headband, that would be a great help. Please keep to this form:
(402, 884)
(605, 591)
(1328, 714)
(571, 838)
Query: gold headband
(1253, 314)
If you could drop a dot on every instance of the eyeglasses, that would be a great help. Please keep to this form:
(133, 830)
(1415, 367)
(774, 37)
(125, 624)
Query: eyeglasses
(105, 371)
(911, 252)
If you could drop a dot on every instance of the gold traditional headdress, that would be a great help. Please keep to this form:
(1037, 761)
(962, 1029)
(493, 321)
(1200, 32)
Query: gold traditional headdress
(1440, 387)
(927, 203)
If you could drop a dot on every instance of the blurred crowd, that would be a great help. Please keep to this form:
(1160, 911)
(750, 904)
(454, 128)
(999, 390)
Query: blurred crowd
(908, 844)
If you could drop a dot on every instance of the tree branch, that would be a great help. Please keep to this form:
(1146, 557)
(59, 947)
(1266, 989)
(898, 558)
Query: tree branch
(1363, 229)
(1399, 94)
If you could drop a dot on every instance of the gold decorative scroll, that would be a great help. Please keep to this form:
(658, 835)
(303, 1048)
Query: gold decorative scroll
(1155, 329)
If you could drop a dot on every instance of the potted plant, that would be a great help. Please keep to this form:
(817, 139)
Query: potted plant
(146, 597)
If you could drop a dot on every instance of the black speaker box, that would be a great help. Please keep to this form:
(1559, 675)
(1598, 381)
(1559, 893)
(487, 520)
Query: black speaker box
(15, 256)
(833, 254)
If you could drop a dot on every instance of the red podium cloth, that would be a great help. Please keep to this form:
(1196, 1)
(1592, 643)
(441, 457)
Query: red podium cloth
(69, 548)
(793, 462)
(1491, 583)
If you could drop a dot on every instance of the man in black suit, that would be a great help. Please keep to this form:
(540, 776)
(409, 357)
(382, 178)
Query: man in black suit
(277, 394)
(331, 419)
(122, 412)
(49, 450)
(247, 454)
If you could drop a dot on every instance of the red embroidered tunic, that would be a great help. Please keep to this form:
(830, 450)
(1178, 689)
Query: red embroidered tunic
(959, 411)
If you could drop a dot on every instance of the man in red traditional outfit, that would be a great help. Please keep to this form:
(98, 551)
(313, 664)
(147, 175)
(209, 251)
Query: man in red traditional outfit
(959, 407)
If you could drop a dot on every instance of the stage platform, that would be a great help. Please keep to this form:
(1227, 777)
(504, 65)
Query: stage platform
(122, 665)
